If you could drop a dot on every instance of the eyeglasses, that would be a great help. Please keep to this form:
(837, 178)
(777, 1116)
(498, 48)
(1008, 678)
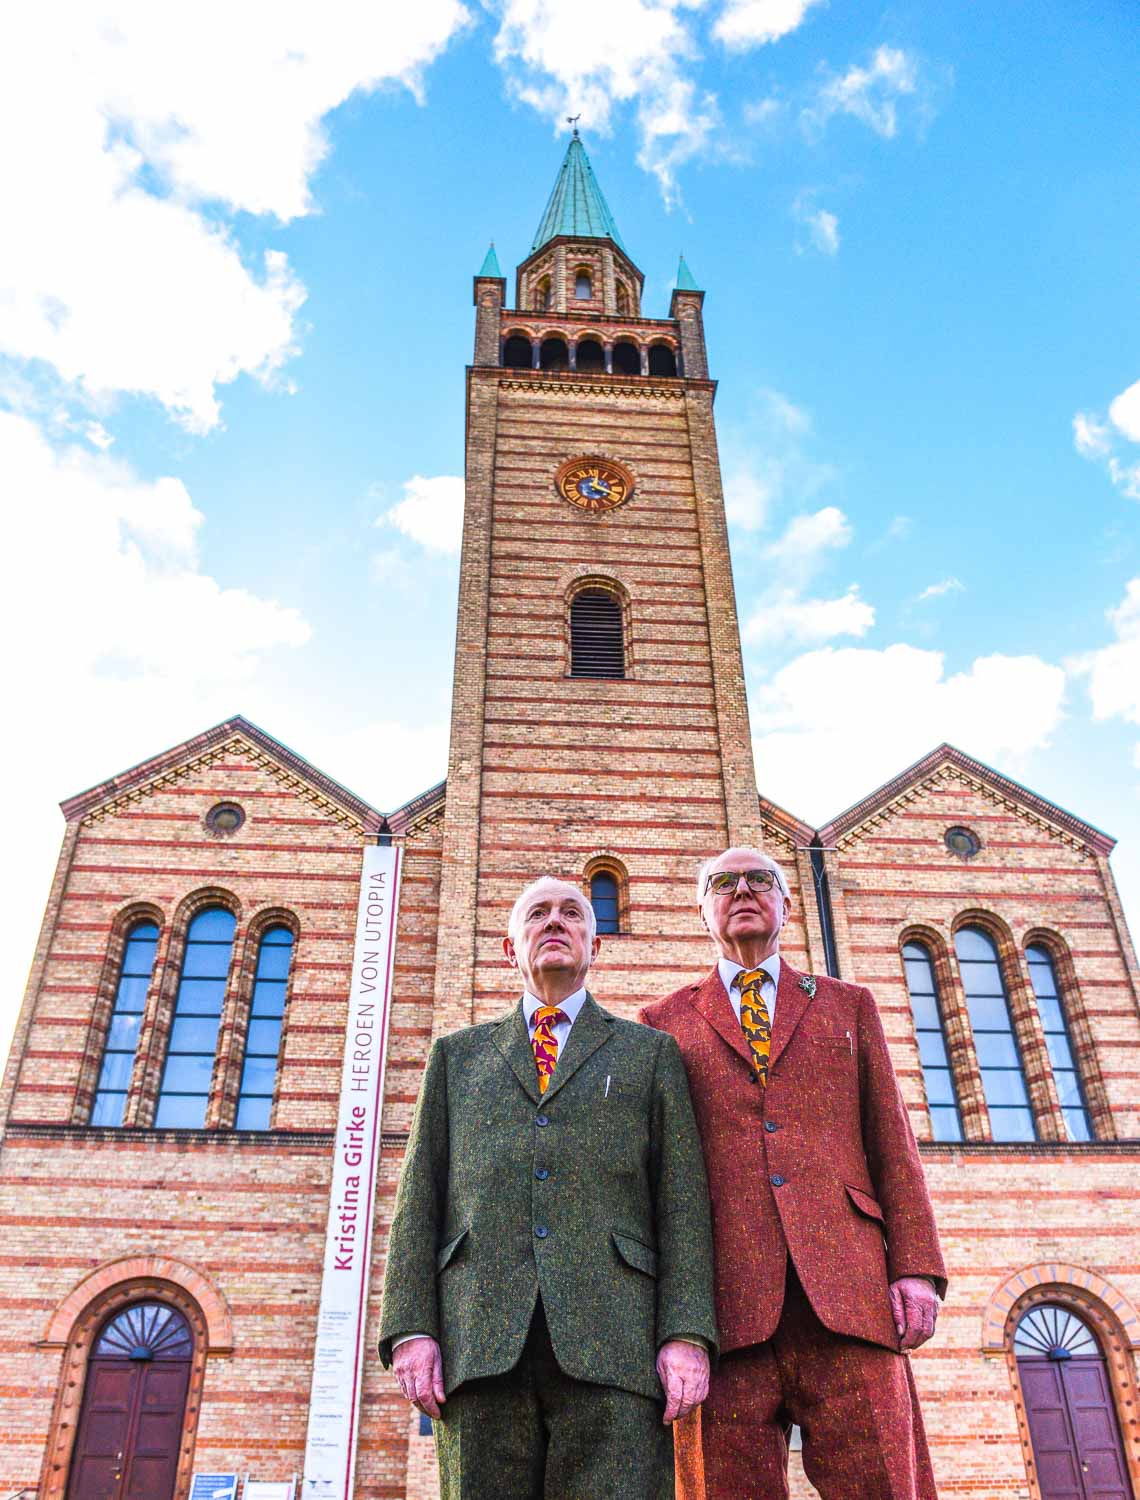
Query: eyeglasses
(759, 881)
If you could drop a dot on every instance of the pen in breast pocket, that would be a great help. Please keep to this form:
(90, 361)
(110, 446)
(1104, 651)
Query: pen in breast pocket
(606, 1095)
(850, 1044)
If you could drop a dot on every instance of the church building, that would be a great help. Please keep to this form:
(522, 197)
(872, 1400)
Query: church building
(170, 1107)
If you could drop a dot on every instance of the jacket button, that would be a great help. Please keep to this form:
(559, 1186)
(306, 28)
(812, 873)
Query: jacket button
(540, 1231)
(541, 1120)
(542, 1173)
(770, 1126)
(777, 1180)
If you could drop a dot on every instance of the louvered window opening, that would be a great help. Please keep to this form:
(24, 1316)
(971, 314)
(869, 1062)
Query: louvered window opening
(597, 648)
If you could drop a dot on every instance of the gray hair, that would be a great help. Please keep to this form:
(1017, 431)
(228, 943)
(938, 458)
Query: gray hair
(528, 891)
(763, 860)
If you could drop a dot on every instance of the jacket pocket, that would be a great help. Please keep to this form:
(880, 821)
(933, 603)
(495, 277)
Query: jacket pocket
(864, 1203)
(634, 1253)
(446, 1252)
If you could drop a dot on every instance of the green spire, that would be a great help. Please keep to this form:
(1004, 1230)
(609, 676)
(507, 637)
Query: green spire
(490, 266)
(576, 206)
(685, 282)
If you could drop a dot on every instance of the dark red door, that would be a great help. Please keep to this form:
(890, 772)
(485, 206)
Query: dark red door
(134, 1408)
(1073, 1429)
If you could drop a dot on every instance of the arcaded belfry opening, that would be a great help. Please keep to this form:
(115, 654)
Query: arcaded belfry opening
(554, 355)
(627, 358)
(597, 643)
(517, 353)
(591, 357)
(662, 360)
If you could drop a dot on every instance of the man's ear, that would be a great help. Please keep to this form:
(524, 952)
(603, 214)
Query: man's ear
(595, 949)
(509, 953)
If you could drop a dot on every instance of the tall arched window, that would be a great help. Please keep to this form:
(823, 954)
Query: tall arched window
(662, 360)
(517, 352)
(1003, 1077)
(126, 1021)
(590, 357)
(622, 300)
(185, 1089)
(583, 286)
(1057, 1039)
(941, 1096)
(604, 899)
(545, 295)
(626, 358)
(597, 647)
(263, 1039)
(554, 354)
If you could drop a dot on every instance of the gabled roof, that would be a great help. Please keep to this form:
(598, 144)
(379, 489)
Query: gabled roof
(160, 768)
(800, 835)
(490, 266)
(945, 754)
(577, 207)
(420, 808)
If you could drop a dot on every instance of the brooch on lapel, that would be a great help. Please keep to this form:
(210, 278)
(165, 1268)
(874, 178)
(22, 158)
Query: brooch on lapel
(807, 984)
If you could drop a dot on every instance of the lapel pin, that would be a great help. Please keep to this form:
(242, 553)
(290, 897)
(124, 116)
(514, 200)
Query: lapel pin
(807, 984)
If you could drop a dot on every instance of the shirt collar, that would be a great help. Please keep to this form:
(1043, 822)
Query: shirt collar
(728, 969)
(571, 1005)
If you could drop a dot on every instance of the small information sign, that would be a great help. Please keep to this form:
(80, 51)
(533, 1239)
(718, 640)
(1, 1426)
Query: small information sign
(214, 1487)
(268, 1489)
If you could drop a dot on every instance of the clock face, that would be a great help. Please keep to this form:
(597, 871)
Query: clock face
(594, 484)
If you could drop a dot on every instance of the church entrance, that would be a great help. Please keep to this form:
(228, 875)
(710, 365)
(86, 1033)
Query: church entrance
(134, 1406)
(1070, 1407)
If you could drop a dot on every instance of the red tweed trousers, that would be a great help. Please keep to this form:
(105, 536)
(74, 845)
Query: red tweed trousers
(854, 1403)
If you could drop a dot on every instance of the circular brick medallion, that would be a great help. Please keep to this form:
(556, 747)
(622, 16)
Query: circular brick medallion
(225, 818)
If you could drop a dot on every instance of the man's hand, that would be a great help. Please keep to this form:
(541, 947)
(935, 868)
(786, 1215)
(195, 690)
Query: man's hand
(914, 1304)
(419, 1369)
(683, 1369)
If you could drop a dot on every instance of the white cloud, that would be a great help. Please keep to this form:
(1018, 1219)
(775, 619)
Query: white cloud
(589, 57)
(936, 590)
(1097, 440)
(1113, 671)
(821, 225)
(751, 23)
(808, 537)
(765, 460)
(431, 512)
(865, 715)
(870, 94)
(138, 126)
(387, 759)
(787, 617)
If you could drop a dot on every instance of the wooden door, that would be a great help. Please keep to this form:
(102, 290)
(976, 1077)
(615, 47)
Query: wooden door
(1073, 1429)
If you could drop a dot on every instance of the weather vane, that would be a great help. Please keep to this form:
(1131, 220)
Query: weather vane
(573, 120)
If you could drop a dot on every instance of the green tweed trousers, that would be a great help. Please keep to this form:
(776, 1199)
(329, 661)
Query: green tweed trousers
(537, 1434)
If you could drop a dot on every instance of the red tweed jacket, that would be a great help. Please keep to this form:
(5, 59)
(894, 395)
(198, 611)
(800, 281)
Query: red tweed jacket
(821, 1165)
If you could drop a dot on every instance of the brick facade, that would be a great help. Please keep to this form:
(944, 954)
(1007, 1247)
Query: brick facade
(547, 773)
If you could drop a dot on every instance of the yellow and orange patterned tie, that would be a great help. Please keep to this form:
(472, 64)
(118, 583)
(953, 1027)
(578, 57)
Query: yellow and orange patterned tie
(754, 1018)
(546, 1018)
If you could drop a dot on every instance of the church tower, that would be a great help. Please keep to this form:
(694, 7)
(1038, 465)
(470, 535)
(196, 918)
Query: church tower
(599, 724)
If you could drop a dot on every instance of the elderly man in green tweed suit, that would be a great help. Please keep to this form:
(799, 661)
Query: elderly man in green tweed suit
(549, 1279)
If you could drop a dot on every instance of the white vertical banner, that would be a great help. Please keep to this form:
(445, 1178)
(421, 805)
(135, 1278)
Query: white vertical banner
(338, 1359)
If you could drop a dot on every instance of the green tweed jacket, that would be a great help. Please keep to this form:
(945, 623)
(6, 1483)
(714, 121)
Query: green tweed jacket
(593, 1195)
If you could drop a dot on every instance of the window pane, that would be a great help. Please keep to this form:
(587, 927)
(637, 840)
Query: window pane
(116, 1070)
(981, 979)
(108, 1109)
(139, 956)
(988, 1013)
(1077, 1124)
(1059, 1053)
(1004, 1086)
(945, 1123)
(124, 1033)
(996, 1050)
(207, 960)
(269, 997)
(1068, 1090)
(131, 995)
(253, 1114)
(919, 976)
(925, 1008)
(188, 1073)
(194, 1034)
(264, 1037)
(179, 1112)
(1052, 1016)
(1012, 1125)
(939, 1086)
(278, 935)
(273, 961)
(201, 997)
(971, 943)
(213, 926)
(932, 1050)
(259, 1075)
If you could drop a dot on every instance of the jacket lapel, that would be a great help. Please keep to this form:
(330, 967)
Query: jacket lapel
(711, 1002)
(589, 1032)
(512, 1039)
(791, 1002)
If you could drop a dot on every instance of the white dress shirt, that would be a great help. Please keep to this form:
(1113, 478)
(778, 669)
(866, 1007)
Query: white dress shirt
(728, 969)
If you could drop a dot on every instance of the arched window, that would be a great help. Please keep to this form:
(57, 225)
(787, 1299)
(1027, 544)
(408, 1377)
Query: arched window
(597, 647)
(622, 300)
(1003, 1077)
(517, 353)
(662, 360)
(126, 1021)
(545, 295)
(583, 285)
(1059, 1043)
(1069, 1405)
(604, 900)
(131, 1426)
(591, 357)
(941, 1096)
(626, 358)
(554, 355)
(263, 1039)
(185, 1089)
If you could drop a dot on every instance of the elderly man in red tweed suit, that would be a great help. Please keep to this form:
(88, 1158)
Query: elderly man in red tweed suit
(827, 1260)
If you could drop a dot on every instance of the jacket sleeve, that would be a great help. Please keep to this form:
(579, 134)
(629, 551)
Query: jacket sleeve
(409, 1303)
(685, 1304)
(893, 1159)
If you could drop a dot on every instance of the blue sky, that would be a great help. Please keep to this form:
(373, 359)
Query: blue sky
(235, 308)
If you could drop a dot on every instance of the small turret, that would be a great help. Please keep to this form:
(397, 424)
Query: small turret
(490, 298)
(687, 306)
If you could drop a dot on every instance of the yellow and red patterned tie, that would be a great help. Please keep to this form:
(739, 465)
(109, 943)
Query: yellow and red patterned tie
(754, 1018)
(546, 1018)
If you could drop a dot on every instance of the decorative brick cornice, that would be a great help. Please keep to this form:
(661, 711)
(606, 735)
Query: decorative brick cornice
(570, 383)
(233, 735)
(946, 763)
(420, 813)
(792, 830)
